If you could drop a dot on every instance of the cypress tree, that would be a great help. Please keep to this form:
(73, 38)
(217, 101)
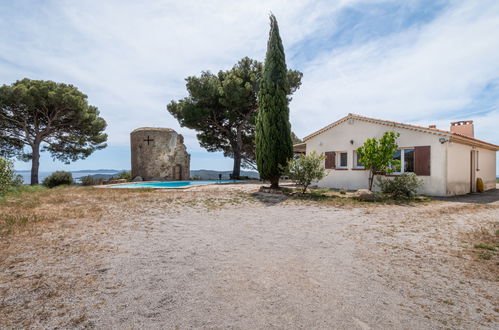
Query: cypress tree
(273, 131)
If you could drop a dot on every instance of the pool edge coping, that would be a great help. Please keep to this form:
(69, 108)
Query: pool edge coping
(180, 188)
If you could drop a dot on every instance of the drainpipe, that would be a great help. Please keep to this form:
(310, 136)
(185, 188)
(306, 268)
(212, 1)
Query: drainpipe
(446, 167)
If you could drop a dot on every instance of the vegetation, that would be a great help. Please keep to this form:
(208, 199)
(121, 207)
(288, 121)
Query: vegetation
(58, 178)
(485, 247)
(273, 131)
(222, 108)
(87, 180)
(8, 178)
(48, 116)
(305, 169)
(404, 186)
(377, 156)
(295, 139)
(125, 175)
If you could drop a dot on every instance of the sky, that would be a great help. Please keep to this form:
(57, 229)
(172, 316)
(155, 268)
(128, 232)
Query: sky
(420, 62)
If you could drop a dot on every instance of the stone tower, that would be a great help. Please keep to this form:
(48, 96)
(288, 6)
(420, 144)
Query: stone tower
(159, 154)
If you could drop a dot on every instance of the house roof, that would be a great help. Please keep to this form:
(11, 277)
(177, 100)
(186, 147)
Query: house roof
(459, 138)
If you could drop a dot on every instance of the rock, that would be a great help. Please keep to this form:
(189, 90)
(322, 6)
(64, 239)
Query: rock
(269, 190)
(138, 178)
(114, 181)
(364, 195)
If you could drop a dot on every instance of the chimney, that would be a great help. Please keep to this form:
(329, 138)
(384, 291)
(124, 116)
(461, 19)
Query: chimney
(432, 126)
(463, 127)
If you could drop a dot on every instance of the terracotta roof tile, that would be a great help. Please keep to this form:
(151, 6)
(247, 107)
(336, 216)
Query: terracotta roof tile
(422, 128)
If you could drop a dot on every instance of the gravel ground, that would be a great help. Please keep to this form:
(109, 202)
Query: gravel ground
(253, 263)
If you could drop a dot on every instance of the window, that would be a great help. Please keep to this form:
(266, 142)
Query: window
(408, 160)
(397, 162)
(356, 162)
(403, 161)
(343, 160)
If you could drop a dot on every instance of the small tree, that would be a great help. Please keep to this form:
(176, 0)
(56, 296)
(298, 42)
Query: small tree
(377, 156)
(305, 169)
(8, 178)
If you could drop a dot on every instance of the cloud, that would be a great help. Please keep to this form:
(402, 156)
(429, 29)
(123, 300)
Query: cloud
(413, 61)
(131, 57)
(425, 72)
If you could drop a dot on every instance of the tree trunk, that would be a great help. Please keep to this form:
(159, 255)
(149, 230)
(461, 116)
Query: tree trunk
(236, 149)
(236, 170)
(371, 179)
(35, 163)
(274, 183)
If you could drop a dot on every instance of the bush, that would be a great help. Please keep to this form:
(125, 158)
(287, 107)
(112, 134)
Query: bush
(58, 178)
(305, 169)
(403, 186)
(88, 180)
(8, 178)
(124, 175)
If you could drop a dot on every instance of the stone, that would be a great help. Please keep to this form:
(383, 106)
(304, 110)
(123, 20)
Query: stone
(138, 178)
(114, 181)
(364, 195)
(269, 190)
(159, 154)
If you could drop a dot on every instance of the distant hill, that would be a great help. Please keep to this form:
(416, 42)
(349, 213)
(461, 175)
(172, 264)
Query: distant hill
(213, 175)
(100, 171)
(84, 171)
(195, 174)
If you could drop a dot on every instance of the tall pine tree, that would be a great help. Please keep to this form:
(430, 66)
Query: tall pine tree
(273, 131)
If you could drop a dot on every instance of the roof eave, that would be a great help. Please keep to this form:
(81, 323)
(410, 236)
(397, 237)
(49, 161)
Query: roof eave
(473, 142)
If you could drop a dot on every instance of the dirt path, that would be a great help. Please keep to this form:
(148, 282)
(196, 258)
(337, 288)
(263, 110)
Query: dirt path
(255, 265)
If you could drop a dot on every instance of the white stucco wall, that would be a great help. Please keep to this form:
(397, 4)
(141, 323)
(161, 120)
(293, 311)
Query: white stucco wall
(487, 168)
(338, 139)
(459, 168)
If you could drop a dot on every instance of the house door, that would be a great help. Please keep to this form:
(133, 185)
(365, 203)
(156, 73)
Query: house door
(472, 171)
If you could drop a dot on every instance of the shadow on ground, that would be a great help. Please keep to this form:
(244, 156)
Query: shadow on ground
(487, 197)
(269, 199)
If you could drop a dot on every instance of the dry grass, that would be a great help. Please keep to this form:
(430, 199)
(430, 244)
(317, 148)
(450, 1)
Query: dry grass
(48, 236)
(23, 209)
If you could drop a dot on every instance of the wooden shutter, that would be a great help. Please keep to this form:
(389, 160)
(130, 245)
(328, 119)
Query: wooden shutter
(422, 160)
(330, 161)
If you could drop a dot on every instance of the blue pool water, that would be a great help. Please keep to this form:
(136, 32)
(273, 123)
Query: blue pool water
(171, 184)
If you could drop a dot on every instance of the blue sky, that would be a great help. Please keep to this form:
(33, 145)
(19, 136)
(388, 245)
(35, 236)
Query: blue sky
(421, 62)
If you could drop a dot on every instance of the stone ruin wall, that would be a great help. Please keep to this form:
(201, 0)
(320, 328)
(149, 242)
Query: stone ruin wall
(159, 154)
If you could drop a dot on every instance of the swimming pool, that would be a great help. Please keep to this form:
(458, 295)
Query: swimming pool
(171, 184)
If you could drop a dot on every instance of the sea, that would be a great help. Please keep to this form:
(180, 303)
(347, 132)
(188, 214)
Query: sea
(26, 175)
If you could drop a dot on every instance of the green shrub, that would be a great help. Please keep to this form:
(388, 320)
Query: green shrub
(124, 175)
(88, 180)
(404, 186)
(58, 178)
(305, 169)
(8, 178)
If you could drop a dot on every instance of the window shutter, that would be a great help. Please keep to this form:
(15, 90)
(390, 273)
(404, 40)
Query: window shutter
(422, 160)
(330, 160)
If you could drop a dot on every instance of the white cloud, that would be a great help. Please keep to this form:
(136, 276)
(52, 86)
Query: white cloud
(131, 57)
(419, 74)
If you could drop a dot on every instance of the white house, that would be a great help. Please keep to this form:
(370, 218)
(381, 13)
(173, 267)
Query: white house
(448, 162)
